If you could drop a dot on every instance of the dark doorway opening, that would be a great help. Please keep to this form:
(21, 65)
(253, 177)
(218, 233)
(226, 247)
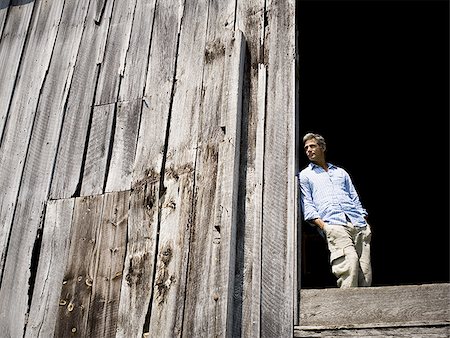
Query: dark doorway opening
(374, 81)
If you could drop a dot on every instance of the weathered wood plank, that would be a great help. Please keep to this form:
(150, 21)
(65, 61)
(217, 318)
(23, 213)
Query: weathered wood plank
(252, 327)
(4, 6)
(386, 306)
(138, 286)
(50, 272)
(209, 266)
(79, 273)
(14, 33)
(98, 147)
(228, 186)
(116, 48)
(250, 20)
(11, 45)
(15, 140)
(38, 165)
(137, 58)
(278, 232)
(158, 89)
(177, 216)
(131, 90)
(137, 281)
(425, 331)
(110, 253)
(124, 146)
(69, 161)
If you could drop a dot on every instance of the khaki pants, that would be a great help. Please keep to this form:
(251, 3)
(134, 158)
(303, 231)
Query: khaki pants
(350, 254)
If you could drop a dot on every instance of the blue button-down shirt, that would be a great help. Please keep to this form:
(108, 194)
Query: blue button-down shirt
(330, 195)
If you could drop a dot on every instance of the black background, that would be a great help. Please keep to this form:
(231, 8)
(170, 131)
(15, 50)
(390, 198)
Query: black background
(374, 81)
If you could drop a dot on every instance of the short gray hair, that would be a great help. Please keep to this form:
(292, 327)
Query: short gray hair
(319, 138)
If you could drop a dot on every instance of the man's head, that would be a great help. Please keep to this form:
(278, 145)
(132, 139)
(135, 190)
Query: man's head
(315, 146)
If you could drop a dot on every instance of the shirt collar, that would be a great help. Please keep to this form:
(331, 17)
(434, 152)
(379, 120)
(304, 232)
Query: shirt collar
(315, 166)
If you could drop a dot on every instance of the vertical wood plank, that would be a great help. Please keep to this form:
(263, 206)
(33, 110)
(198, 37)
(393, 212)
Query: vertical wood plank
(98, 146)
(254, 329)
(177, 204)
(208, 280)
(137, 282)
(124, 146)
(131, 90)
(14, 33)
(159, 88)
(117, 44)
(250, 18)
(110, 253)
(228, 185)
(278, 232)
(69, 160)
(137, 58)
(204, 299)
(137, 287)
(79, 274)
(50, 272)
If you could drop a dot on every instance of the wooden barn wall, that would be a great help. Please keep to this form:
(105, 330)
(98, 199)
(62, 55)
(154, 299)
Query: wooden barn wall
(147, 179)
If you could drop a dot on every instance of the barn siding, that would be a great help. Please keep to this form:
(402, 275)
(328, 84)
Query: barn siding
(147, 168)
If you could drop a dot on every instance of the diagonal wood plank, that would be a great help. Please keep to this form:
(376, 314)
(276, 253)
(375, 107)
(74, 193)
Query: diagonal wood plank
(50, 273)
(69, 160)
(4, 7)
(117, 44)
(98, 146)
(120, 169)
(14, 33)
(131, 90)
(137, 58)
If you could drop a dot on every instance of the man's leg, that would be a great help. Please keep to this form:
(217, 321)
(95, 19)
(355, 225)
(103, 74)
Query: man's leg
(362, 245)
(343, 256)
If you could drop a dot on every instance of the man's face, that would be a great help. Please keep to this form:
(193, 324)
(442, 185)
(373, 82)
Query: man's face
(314, 152)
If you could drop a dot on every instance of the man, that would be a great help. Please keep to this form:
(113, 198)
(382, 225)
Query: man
(330, 202)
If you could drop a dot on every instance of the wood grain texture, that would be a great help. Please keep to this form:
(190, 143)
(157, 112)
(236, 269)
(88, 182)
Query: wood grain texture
(178, 200)
(50, 272)
(68, 167)
(388, 311)
(4, 4)
(137, 281)
(36, 176)
(211, 265)
(250, 17)
(117, 44)
(137, 57)
(16, 133)
(278, 232)
(372, 306)
(159, 88)
(123, 148)
(75, 297)
(14, 33)
(98, 147)
(109, 263)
